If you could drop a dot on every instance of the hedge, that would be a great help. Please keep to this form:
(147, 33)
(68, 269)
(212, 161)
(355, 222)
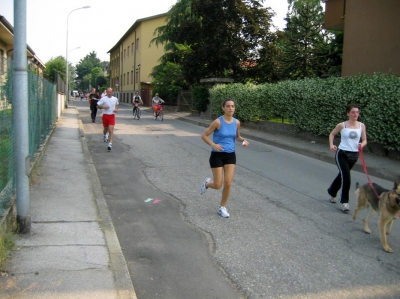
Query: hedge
(317, 105)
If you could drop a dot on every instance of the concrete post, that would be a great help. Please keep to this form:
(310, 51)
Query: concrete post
(20, 117)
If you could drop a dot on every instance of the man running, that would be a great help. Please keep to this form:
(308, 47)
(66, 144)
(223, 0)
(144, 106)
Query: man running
(109, 104)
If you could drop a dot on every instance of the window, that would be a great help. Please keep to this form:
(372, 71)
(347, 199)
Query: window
(124, 79)
(131, 77)
(137, 44)
(137, 76)
(127, 77)
(124, 54)
(128, 51)
(132, 48)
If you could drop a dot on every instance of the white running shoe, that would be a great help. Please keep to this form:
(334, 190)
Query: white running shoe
(109, 146)
(223, 212)
(203, 187)
(345, 207)
(332, 199)
(105, 138)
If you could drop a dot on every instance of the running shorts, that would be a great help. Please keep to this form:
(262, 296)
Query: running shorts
(219, 159)
(108, 120)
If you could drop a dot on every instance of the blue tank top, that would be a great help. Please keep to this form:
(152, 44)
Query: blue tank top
(225, 135)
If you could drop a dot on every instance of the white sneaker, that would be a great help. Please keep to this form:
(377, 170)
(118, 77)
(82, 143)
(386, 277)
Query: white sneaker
(223, 212)
(203, 187)
(332, 199)
(109, 146)
(345, 207)
(105, 138)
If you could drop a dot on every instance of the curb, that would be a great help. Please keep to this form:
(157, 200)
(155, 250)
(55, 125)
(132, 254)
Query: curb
(123, 281)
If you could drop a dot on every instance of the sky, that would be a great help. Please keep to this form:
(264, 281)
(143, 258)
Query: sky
(97, 28)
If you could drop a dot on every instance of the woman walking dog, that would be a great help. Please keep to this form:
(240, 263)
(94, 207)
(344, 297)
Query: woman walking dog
(225, 129)
(351, 132)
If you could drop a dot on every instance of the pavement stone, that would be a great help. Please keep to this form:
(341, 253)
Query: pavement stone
(72, 250)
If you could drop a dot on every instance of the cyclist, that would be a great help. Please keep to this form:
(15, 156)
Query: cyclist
(137, 99)
(155, 102)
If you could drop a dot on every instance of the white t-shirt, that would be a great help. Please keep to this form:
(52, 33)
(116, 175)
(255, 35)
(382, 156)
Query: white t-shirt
(111, 102)
(350, 138)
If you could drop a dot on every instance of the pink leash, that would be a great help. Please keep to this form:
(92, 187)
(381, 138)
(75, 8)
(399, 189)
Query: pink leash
(360, 151)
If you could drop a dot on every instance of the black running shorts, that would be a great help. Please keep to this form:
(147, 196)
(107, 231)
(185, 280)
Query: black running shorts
(219, 159)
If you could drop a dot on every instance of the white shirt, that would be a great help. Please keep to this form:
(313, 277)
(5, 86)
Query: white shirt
(155, 101)
(111, 102)
(350, 138)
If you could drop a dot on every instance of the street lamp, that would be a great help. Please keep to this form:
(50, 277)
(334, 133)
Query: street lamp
(67, 75)
(67, 86)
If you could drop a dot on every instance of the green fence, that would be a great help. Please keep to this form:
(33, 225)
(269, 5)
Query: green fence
(42, 97)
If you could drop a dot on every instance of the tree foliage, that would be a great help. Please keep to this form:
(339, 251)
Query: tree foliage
(55, 65)
(304, 50)
(168, 80)
(215, 38)
(85, 67)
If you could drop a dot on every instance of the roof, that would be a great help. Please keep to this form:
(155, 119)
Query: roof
(133, 28)
(7, 34)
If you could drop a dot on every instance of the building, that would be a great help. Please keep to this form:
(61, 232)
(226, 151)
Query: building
(7, 49)
(371, 34)
(132, 59)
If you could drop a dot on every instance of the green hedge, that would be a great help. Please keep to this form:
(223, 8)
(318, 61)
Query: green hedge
(317, 105)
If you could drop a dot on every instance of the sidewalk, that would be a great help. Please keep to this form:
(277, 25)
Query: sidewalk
(381, 167)
(72, 250)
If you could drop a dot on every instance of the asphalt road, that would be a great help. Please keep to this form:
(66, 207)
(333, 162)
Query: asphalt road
(283, 240)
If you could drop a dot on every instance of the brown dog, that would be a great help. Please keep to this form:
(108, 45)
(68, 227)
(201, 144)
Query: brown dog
(388, 207)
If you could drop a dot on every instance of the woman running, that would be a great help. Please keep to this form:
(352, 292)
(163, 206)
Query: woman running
(353, 137)
(225, 130)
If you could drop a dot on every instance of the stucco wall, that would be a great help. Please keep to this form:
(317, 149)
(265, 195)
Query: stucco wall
(371, 37)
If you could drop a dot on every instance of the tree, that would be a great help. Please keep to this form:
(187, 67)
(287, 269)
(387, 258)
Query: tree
(305, 46)
(55, 65)
(168, 80)
(214, 37)
(335, 53)
(94, 75)
(58, 65)
(85, 67)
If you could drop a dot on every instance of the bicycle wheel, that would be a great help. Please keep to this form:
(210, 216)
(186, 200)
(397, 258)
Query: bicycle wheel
(134, 113)
(139, 113)
(161, 115)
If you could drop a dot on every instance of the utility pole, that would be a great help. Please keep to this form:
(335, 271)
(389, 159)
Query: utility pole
(20, 117)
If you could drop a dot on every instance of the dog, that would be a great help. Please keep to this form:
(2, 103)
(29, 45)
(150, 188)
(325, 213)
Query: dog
(388, 207)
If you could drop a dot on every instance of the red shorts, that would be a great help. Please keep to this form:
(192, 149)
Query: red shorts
(108, 120)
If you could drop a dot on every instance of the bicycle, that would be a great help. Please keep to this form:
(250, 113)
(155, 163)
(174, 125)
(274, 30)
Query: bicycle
(136, 111)
(160, 113)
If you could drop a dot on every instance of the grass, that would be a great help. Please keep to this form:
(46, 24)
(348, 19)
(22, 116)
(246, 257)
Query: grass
(279, 120)
(5, 149)
(7, 244)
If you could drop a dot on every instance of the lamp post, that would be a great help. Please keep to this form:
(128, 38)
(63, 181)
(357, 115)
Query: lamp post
(66, 58)
(67, 75)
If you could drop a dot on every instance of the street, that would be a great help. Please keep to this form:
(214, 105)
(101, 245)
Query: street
(284, 238)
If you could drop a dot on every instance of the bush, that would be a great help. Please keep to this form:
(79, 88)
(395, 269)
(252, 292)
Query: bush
(200, 96)
(317, 105)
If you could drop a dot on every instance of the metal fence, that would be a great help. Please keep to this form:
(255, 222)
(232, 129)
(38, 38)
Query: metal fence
(42, 97)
